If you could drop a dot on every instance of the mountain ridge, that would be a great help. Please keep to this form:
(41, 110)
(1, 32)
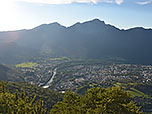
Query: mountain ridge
(91, 39)
(96, 19)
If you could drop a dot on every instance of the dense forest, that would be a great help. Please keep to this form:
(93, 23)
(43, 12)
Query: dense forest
(49, 97)
(24, 98)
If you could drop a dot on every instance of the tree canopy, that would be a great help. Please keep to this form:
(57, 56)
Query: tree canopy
(97, 101)
(19, 103)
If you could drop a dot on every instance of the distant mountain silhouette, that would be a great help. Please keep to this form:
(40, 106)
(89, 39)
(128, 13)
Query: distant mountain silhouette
(91, 39)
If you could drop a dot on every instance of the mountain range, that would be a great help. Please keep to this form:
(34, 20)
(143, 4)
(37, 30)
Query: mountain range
(91, 39)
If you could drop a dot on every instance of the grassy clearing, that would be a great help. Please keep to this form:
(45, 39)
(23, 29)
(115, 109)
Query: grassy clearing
(132, 84)
(26, 65)
(134, 92)
(59, 59)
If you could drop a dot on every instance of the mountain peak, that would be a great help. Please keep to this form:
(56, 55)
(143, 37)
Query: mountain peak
(55, 23)
(44, 26)
(97, 21)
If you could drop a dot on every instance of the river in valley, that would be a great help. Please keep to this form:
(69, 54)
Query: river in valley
(51, 80)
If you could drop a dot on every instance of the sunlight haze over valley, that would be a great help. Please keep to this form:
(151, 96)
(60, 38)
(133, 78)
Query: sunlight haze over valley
(75, 57)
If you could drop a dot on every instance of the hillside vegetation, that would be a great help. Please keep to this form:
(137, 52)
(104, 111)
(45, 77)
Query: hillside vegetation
(97, 101)
(49, 97)
(29, 99)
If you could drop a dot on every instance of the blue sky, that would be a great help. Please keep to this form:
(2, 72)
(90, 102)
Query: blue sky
(26, 14)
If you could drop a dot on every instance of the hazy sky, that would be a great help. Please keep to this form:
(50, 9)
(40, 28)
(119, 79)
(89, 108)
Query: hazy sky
(26, 14)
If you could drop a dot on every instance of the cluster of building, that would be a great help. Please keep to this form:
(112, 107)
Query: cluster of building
(79, 75)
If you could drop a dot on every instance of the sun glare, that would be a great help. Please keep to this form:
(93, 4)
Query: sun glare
(8, 13)
(6, 5)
